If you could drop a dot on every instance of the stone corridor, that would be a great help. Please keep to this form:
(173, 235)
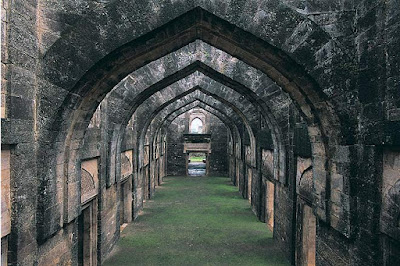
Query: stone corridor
(196, 221)
(296, 102)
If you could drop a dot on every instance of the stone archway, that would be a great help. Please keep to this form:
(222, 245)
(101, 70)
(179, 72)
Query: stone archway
(80, 98)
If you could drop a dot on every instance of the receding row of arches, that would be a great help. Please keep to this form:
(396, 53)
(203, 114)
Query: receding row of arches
(107, 119)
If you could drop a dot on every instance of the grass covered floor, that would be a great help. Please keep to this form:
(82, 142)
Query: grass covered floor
(197, 158)
(196, 221)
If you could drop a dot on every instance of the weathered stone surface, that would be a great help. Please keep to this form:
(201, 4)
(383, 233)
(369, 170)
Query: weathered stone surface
(390, 212)
(302, 96)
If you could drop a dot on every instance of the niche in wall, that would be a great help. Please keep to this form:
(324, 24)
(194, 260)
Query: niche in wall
(267, 163)
(306, 235)
(270, 201)
(87, 220)
(89, 179)
(126, 164)
(87, 234)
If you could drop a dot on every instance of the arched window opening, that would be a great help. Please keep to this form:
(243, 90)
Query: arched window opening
(196, 127)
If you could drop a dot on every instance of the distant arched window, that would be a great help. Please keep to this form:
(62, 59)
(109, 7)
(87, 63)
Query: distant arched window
(196, 127)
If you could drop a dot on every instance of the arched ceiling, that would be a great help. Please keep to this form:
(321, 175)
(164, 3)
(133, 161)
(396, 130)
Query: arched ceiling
(269, 52)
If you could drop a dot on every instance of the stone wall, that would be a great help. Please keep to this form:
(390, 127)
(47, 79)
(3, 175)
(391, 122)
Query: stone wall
(176, 159)
(218, 162)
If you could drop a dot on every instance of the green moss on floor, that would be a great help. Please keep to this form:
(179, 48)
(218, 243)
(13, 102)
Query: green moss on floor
(196, 221)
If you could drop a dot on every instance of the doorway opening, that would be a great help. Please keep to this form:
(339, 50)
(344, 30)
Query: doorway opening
(87, 235)
(306, 235)
(125, 203)
(197, 164)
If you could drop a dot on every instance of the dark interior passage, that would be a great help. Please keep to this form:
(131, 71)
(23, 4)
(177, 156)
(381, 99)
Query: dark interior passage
(196, 221)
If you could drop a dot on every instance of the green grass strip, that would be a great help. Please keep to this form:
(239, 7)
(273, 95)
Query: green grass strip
(196, 221)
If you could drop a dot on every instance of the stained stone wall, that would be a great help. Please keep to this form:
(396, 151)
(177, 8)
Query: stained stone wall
(218, 163)
(390, 214)
(176, 159)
